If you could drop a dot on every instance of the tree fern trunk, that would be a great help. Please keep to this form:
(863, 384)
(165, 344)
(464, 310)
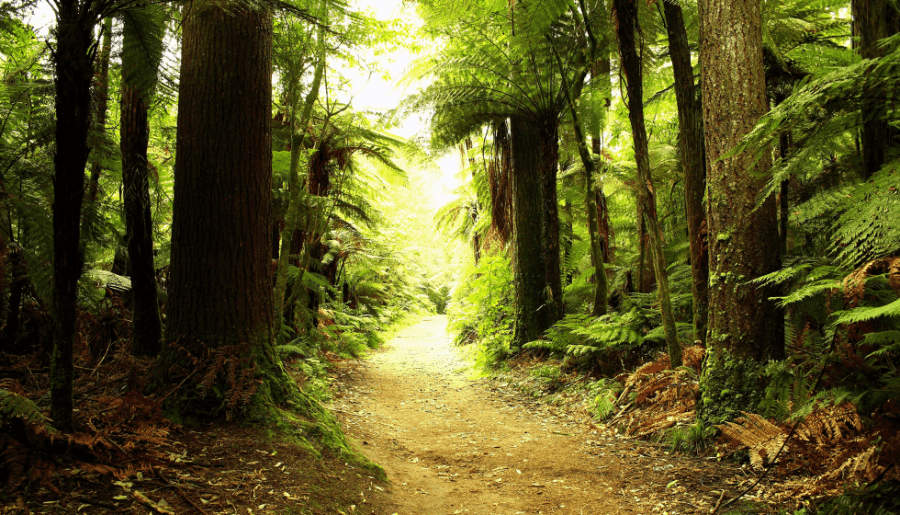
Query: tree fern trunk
(873, 21)
(626, 29)
(102, 99)
(134, 139)
(746, 329)
(532, 319)
(135, 136)
(549, 164)
(690, 142)
(74, 71)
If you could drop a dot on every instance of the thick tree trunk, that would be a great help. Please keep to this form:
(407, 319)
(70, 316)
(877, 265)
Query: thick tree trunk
(690, 143)
(874, 20)
(220, 296)
(550, 216)
(74, 71)
(746, 329)
(532, 315)
(626, 29)
(101, 93)
(135, 135)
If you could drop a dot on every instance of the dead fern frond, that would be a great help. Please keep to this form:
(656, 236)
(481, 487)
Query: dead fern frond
(828, 426)
(760, 437)
(854, 284)
(862, 465)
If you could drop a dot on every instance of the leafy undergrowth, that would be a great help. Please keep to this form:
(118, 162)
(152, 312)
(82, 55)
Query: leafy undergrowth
(125, 456)
(831, 451)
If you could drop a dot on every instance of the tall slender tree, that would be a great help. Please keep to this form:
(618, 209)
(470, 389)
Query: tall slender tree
(626, 30)
(142, 51)
(101, 94)
(73, 57)
(690, 146)
(298, 130)
(745, 327)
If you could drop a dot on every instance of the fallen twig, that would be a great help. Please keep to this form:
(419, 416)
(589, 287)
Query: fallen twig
(181, 493)
(718, 503)
(90, 500)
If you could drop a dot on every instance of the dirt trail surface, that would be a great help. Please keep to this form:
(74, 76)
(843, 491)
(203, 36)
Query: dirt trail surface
(452, 444)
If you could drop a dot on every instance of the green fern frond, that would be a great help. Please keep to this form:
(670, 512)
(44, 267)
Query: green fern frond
(13, 405)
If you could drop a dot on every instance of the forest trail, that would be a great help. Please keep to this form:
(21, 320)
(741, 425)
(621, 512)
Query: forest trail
(455, 445)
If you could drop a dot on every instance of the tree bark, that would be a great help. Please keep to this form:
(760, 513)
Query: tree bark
(19, 276)
(74, 59)
(690, 143)
(874, 20)
(135, 136)
(626, 29)
(746, 329)
(532, 315)
(220, 296)
(549, 160)
(102, 97)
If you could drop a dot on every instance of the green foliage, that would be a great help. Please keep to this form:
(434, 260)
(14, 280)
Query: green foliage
(16, 406)
(693, 438)
(581, 335)
(482, 307)
(840, 316)
(605, 392)
(876, 499)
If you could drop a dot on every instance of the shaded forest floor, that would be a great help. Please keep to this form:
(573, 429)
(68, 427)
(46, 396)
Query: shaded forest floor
(452, 444)
(218, 470)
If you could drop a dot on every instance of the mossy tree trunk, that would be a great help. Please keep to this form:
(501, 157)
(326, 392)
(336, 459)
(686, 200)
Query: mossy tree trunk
(101, 94)
(693, 163)
(601, 289)
(874, 20)
(626, 30)
(73, 58)
(532, 317)
(134, 139)
(746, 329)
(220, 296)
(295, 186)
(549, 166)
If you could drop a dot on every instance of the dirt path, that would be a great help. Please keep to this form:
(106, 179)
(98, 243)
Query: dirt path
(451, 444)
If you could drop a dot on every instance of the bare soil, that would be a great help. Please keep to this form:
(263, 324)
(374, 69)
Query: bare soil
(452, 443)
